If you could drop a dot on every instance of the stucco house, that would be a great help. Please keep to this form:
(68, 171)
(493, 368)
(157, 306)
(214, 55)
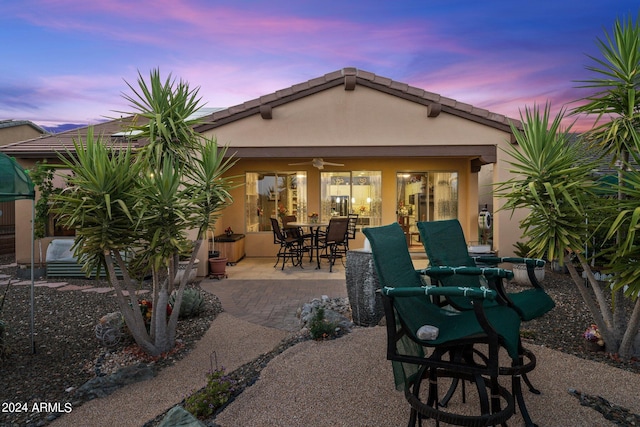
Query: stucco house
(346, 142)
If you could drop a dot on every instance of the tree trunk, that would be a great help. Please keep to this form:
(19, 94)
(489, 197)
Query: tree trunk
(162, 341)
(607, 333)
(617, 297)
(597, 291)
(130, 310)
(626, 346)
(173, 319)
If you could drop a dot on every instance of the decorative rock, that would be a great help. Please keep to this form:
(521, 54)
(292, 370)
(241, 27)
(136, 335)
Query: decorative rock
(362, 284)
(336, 311)
(104, 386)
(179, 417)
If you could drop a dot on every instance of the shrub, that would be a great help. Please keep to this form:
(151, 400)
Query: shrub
(522, 249)
(219, 389)
(320, 328)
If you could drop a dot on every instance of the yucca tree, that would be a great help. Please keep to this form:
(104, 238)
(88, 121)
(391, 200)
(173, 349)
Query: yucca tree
(554, 182)
(164, 116)
(552, 179)
(616, 105)
(100, 203)
(146, 202)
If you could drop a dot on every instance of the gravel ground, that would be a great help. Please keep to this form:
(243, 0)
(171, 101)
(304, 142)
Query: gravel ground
(67, 350)
(66, 347)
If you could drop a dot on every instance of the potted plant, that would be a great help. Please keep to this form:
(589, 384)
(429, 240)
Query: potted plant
(593, 339)
(520, 274)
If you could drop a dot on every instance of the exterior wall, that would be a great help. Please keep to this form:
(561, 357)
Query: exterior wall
(360, 118)
(13, 134)
(23, 225)
(363, 117)
(506, 230)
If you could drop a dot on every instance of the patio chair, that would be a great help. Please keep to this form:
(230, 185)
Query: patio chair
(297, 232)
(446, 246)
(351, 229)
(290, 246)
(461, 335)
(350, 234)
(334, 238)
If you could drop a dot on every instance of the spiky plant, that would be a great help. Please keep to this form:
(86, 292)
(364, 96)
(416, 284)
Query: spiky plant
(192, 303)
(146, 201)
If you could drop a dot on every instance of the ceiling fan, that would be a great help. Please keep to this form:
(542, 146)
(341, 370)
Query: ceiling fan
(317, 163)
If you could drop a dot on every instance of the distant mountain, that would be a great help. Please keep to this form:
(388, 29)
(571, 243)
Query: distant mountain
(63, 127)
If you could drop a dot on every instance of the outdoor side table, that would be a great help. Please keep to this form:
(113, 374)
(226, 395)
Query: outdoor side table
(230, 247)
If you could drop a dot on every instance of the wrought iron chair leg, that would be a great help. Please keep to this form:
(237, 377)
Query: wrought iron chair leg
(531, 387)
(517, 393)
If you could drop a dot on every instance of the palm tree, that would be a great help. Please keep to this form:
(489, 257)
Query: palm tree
(144, 202)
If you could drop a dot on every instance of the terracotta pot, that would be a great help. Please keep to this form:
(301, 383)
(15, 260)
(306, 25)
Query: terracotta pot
(217, 266)
(593, 346)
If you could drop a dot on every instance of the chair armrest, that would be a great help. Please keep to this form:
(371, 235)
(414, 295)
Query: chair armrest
(531, 263)
(491, 272)
(534, 262)
(472, 293)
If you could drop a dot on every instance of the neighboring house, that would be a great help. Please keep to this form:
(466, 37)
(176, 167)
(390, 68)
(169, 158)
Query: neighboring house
(391, 152)
(13, 131)
(18, 130)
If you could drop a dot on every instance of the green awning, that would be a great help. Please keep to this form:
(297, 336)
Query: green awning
(15, 183)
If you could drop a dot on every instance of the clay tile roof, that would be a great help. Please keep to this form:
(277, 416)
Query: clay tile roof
(50, 145)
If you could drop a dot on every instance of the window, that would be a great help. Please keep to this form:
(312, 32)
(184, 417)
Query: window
(355, 192)
(273, 195)
(426, 196)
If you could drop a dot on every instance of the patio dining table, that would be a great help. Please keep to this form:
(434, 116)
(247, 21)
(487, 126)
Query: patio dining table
(314, 230)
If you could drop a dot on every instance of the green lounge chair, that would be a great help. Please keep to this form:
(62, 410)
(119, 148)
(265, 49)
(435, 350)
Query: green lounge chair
(446, 246)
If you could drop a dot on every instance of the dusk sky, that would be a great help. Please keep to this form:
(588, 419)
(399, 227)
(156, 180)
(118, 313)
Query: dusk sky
(66, 61)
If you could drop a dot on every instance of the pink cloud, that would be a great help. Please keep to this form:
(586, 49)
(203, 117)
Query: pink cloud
(190, 26)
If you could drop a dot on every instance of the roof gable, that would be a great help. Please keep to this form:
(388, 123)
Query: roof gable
(350, 78)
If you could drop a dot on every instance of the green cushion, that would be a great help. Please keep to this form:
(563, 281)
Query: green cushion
(531, 303)
(444, 243)
(417, 311)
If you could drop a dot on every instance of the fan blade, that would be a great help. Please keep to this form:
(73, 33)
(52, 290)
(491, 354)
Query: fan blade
(303, 163)
(333, 164)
